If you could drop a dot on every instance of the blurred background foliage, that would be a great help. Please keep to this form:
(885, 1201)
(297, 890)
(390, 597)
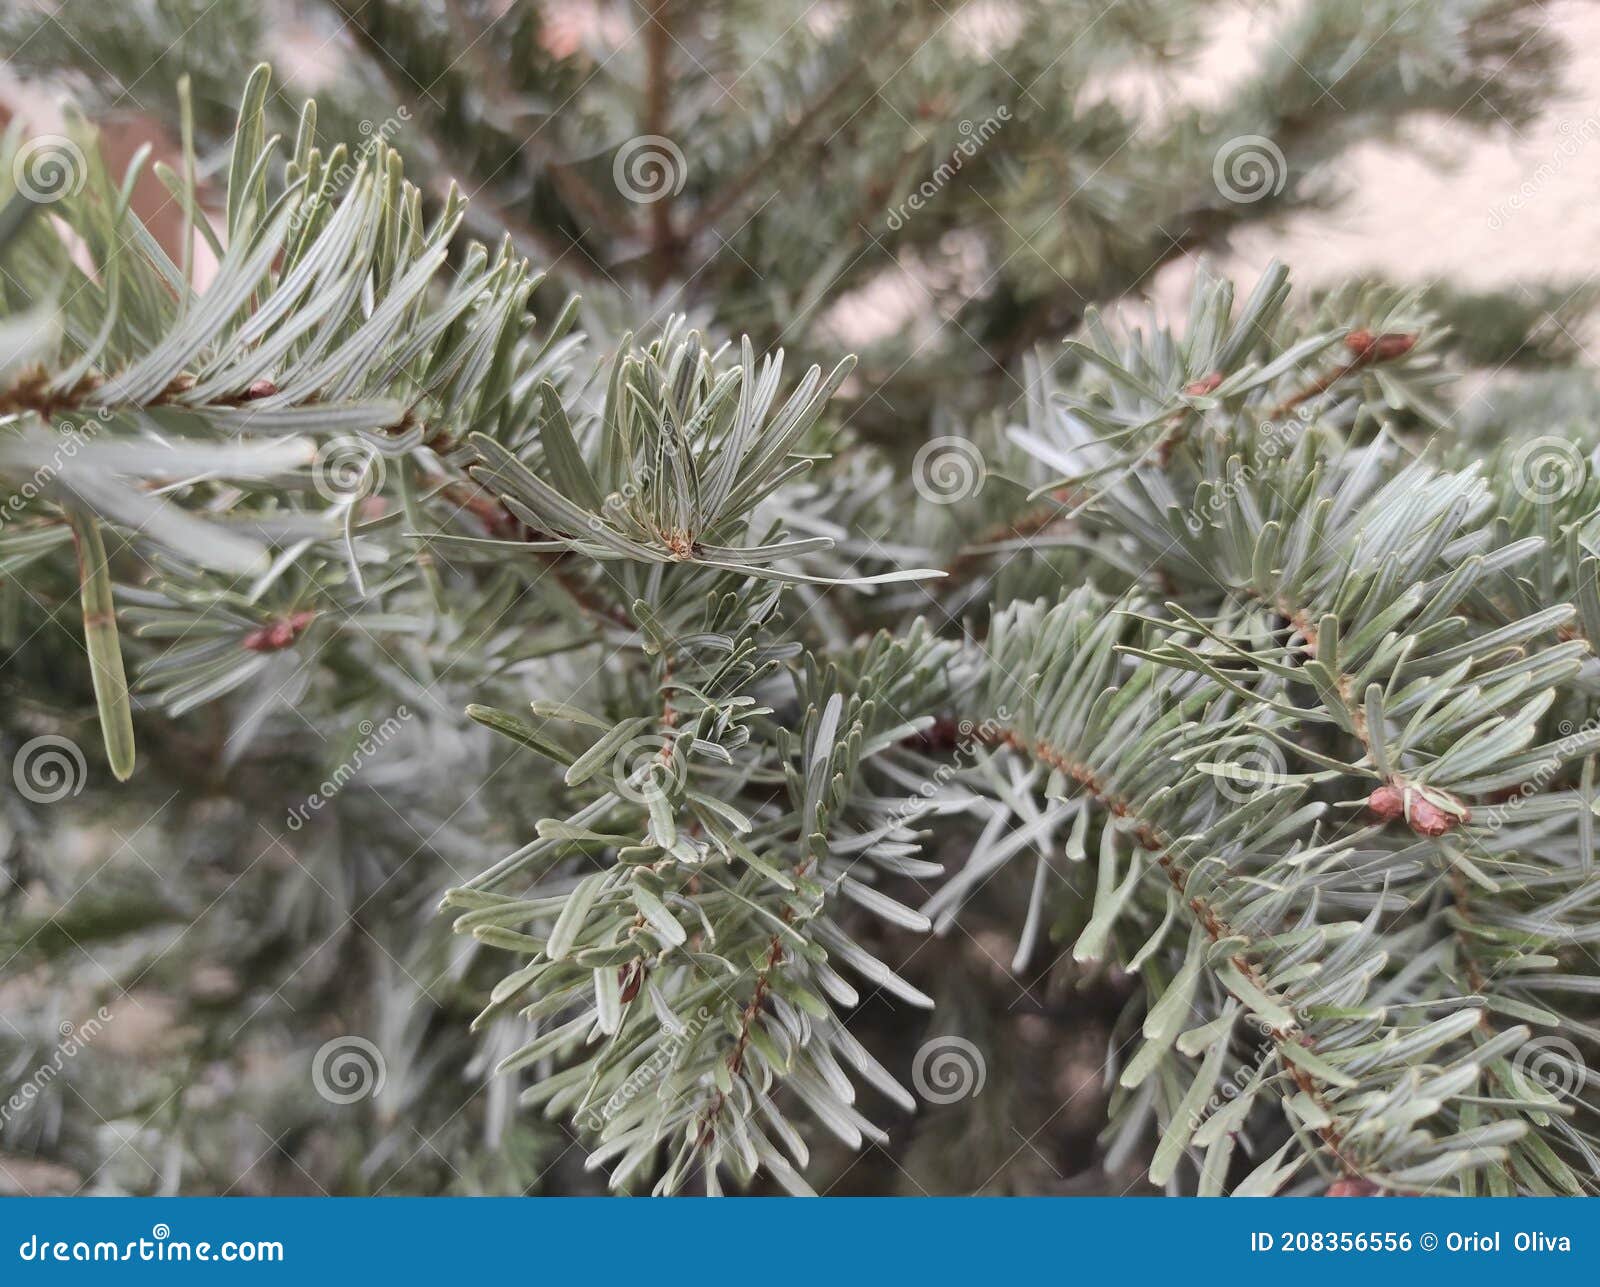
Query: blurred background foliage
(228, 945)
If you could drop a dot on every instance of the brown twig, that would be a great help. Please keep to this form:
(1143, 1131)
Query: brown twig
(1367, 350)
(502, 524)
(1150, 838)
(1031, 522)
(578, 192)
(657, 53)
(782, 145)
(747, 1018)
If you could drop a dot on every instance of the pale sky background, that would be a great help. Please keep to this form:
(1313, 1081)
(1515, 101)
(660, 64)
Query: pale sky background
(1421, 216)
(1474, 209)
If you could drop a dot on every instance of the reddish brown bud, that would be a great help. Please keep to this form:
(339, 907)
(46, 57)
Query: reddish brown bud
(1386, 803)
(277, 635)
(1204, 385)
(944, 734)
(268, 638)
(1367, 347)
(1393, 345)
(260, 389)
(1427, 818)
(1354, 1187)
(630, 977)
(1422, 815)
(1360, 342)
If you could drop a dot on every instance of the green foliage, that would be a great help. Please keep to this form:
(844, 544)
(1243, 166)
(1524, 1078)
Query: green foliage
(1280, 701)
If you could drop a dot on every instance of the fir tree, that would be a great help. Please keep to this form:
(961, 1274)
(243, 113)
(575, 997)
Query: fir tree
(729, 702)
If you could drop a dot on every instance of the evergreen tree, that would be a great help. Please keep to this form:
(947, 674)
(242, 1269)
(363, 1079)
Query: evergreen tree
(820, 760)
